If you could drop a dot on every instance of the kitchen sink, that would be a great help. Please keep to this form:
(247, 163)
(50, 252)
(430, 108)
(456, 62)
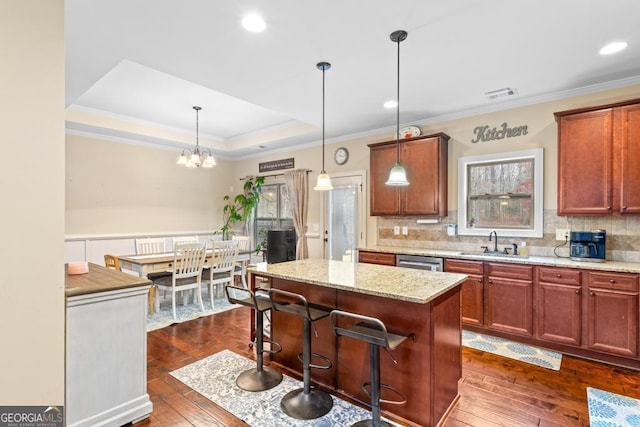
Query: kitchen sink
(494, 254)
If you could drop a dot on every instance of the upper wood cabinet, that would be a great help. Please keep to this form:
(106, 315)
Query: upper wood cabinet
(599, 160)
(425, 159)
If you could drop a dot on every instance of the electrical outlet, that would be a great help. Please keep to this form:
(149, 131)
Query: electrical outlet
(405, 230)
(562, 234)
(396, 229)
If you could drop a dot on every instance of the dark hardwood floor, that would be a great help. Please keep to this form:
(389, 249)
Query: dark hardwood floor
(494, 391)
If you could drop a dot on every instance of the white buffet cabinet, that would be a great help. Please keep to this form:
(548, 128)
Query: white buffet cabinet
(106, 348)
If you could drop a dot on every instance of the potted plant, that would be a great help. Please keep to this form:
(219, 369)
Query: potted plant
(239, 209)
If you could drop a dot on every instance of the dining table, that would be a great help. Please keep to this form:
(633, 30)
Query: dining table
(151, 263)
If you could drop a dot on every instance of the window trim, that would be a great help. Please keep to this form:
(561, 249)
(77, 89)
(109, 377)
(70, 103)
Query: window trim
(538, 189)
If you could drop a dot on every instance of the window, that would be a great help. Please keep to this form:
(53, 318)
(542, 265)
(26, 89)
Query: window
(501, 192)
(272, 211)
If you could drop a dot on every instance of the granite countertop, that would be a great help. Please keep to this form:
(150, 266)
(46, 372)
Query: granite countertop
(100, 279)
(617, 266)
(404, 284)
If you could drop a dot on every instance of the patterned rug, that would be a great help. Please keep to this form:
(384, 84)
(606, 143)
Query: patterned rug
(214, 377)
(164, 316)
(612, 410)
(513, 350)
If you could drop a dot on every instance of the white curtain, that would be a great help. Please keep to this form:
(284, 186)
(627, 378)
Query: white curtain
(297, 186)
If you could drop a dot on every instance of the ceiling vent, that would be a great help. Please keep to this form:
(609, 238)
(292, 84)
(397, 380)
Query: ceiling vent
(501, 93)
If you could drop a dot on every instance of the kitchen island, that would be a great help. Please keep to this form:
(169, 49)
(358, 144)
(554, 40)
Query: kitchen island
(426, 304)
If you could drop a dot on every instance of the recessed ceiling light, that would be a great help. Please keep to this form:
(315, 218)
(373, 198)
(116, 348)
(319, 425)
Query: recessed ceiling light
(254, 23)
(613, 47)
(390, 104)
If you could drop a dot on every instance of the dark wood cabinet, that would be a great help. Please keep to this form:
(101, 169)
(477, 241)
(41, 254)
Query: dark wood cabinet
(612, 313)
(559, 305)
(376, 258)
(425, 159)
(599, 160)
(509, 298)
(472, 289)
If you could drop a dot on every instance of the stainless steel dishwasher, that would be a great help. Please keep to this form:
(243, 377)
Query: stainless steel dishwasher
(420, 262)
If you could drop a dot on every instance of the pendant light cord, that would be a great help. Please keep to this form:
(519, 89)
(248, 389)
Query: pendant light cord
(197, 150)
(323, 70)
(398, 109)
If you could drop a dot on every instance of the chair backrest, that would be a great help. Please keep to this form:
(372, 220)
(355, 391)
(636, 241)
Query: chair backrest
(224, 256)
(244, 242)
(112, 261)
(188, 260)
(183, 239)
(152, 245)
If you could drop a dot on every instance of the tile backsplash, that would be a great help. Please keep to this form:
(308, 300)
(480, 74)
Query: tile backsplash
(623, 235)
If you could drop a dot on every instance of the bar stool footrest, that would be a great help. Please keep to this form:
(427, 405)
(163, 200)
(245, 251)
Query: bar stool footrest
(272, 350)
(401, 401)
(328, 362)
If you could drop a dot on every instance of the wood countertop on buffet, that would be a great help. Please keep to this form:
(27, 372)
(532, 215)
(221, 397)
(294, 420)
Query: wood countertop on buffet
(100, 279)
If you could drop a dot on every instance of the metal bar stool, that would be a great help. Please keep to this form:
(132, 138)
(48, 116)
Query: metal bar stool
(261, 377)
(308, 402)
(374, 332)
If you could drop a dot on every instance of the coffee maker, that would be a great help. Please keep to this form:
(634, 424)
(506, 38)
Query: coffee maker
(588, 245)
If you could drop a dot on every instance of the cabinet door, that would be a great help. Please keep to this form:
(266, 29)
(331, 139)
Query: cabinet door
(629, 131)
(377, 258)
(384, 199)
(559, 313)
(472, 289)
(425, 161)
(613, 321)
(509, 304)
(585, 163)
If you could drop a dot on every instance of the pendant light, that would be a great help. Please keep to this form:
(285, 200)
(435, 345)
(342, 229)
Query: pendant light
(398, 175)
(197, 157)
(324, 181)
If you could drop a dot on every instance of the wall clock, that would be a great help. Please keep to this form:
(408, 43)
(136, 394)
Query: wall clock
(341, 156)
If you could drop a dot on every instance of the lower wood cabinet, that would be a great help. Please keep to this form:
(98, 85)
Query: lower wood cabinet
(559, 305)
(612, 313)
(377, 258)
(509, 298)
(472, 289)
(589, 313)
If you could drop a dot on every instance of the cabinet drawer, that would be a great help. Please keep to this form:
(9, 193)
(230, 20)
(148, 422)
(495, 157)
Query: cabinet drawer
(463, 266)
(510, 271)
(377, 258)
(621, 281)
(565, 276)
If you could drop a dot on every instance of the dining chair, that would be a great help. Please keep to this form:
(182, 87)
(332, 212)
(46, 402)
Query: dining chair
(223, 261)
(188, 262)
(151, 245)
(112, 261)
(244, 244)
(184, 239)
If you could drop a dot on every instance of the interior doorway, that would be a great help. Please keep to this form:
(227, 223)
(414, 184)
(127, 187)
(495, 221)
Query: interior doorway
(344, 216)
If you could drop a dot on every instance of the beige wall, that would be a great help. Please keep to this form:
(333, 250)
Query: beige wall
(32, 193)
(115, 188)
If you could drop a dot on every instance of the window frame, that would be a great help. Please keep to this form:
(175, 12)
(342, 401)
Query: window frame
(537, 154)
(278, 220)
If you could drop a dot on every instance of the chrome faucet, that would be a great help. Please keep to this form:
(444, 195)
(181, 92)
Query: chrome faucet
(495, 243)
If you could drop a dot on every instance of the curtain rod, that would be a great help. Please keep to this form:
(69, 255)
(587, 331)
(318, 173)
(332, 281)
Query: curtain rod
(275, 174)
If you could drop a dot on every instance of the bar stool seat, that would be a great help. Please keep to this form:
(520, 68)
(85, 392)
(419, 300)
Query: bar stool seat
(261, 377)
(308, 402)
(374, 332)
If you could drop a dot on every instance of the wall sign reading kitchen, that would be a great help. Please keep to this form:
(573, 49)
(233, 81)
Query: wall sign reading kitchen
(486, 133)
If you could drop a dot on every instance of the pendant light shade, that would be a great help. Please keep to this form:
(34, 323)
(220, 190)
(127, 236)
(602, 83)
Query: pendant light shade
(398, 175)
(197, 157)
(324, 180)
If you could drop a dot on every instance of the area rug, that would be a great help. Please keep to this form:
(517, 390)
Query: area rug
(164, 316)
(214, 377)
(513, 350)
(612, 410)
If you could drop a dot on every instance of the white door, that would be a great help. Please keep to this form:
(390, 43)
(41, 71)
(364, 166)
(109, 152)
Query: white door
(344, 215)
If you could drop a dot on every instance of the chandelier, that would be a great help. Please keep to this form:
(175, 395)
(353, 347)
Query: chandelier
(198, 157)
